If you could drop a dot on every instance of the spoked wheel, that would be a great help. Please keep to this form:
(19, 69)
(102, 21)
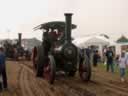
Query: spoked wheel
(49, 69)
(40, 60)
(85, 69)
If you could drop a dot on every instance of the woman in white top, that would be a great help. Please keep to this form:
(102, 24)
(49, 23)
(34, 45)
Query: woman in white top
(122, 65)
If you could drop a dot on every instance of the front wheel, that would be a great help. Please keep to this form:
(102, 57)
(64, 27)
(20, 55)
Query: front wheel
(49, 69)
(85, 69)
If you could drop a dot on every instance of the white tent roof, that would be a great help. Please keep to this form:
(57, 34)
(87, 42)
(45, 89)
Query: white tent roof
(79, 42)
(97, 40)
(92, 40)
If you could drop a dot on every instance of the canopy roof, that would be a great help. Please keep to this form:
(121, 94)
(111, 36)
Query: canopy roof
(122, 39)
(60, 25)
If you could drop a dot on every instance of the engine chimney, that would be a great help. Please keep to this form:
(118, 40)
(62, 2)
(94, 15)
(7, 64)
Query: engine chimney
(19, 37)
(68, 18)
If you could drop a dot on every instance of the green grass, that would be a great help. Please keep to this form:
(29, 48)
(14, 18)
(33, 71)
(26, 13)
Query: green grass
(116, 68)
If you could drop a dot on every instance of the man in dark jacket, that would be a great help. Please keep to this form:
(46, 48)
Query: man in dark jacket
(96, 57)
(110, 56)
(3, 68)
(88, 52)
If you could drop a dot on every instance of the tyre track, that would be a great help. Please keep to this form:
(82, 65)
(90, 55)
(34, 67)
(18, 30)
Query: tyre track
(26, 83)
(25, 89)
(113, 87)
(109, 86)
(37, 84)
(18, 89)
(104, 84)
(21, 83)
(60, 89)
(112, 83)
(46, 87)
(49, 90)
(33, 85)
(73, 85)
(42, 90)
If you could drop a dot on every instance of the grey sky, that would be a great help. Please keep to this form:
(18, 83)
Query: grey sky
(91, 16)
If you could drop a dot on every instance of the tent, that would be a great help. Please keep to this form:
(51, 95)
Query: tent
(92, 40)
(97, 40)
(79, 42)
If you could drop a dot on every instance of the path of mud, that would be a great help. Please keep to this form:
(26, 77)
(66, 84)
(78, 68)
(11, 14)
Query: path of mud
(75, 87)
(24, 83)
(39, 87)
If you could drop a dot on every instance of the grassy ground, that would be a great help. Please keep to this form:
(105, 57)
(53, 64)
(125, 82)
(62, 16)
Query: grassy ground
(116, 68)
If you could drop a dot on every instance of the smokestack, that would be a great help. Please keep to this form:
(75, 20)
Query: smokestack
(20, 37)
(68, 18)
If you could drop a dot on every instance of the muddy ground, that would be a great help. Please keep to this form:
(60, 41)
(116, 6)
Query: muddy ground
(22, 82)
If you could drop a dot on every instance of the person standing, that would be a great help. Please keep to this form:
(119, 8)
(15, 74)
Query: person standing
(96, 57)
(3, 68)
(110, 55)
(122, 66)
(0, 80)
(88, 52)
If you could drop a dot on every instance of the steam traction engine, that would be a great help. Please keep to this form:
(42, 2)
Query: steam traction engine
(58, 53)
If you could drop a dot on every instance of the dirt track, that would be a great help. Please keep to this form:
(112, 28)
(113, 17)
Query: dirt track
(24, 83)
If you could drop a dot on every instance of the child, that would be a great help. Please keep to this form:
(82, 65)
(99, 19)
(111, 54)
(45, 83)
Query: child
(122, 66)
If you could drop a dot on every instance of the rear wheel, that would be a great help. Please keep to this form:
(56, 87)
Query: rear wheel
(49, 69)
(85, 69)
(40, 57)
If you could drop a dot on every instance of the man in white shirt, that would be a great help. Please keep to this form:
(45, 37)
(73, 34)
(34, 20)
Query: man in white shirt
(122, 65)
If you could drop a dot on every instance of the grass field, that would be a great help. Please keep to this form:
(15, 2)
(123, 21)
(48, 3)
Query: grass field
(116, 68)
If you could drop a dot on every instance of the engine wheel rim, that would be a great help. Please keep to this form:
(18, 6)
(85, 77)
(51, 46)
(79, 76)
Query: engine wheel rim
(83, 72)
(47, 71)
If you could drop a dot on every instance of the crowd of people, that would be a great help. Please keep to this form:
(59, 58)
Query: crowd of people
(111, 60)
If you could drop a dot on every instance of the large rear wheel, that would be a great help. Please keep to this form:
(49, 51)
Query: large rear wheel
(85, 69)
(49, 69)
(40, 59)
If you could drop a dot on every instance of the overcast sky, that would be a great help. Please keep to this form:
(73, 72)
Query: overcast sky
(91, 16)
